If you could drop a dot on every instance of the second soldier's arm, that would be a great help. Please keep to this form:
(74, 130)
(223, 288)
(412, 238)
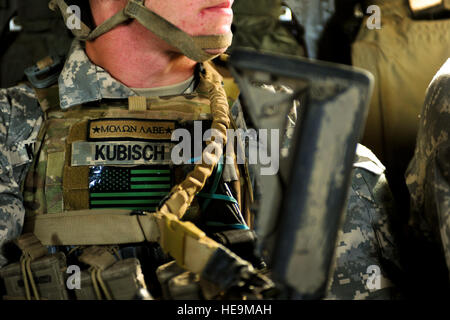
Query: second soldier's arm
(20, 118)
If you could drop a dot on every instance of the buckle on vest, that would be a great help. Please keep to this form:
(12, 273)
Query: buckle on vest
(45, 72)
(138, 213)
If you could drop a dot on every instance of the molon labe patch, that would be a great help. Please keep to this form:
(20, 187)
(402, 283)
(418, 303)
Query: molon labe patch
(130, 129)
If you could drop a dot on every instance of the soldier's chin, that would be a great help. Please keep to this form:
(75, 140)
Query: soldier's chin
(216, 51)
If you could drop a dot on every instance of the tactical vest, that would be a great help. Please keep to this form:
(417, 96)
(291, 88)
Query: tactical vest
(102, 176)
(115, 157)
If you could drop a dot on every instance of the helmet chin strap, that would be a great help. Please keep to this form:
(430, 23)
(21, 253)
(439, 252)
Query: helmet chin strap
(194, 47)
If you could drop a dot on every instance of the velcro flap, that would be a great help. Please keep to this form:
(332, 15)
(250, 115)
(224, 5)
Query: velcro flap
(31, 246)
(98, 257)
(136, 103)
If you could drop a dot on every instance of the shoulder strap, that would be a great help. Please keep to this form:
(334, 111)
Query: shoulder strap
(43, 78)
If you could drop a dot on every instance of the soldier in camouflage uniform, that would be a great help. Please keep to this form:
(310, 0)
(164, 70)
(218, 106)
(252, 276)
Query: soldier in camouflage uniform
(19, 126)
(364, 240)
(366, 245)
(428, 174)
(80, 82)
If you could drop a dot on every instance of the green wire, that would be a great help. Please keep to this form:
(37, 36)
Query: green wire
(215, 183)
(217, 197)
(232, 225)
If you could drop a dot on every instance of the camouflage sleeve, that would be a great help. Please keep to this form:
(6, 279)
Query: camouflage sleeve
(20, 119)
(366, 252)
(428, 174)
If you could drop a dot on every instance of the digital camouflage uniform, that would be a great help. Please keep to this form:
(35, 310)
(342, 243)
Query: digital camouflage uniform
(428, 174)
(20, 119)
(366, 237)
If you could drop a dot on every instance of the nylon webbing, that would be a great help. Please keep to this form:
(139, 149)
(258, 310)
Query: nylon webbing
(106, 226)
(81, 33)
(92, 227)
(137, 103)
(109, 24)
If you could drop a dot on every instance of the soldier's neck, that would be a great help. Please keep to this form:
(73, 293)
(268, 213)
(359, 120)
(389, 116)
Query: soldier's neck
(139, 59)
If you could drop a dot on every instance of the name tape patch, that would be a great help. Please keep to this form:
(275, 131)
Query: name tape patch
(120, 153)
(126, 129)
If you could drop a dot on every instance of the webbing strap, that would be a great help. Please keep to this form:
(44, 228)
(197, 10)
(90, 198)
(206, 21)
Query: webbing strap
(92, 227)
(83, 31)
(187, 244)
(109, 24)
(31, 246)
(137, 103)
(99, 257)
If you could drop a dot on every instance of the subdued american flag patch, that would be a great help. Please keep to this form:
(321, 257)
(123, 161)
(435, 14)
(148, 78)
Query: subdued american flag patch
(132, 188)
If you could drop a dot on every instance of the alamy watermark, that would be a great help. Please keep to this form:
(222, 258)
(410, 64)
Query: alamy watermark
(374, 21)
(374, 280)
(74, 280)
(73, 22)
(258, 144)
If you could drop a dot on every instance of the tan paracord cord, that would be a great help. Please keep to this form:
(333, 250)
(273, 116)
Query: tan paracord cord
(24, 277)
(95, 284)
(183, 194)
(31, 279)
(96, 278)
(27, 275)
(102, 285)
